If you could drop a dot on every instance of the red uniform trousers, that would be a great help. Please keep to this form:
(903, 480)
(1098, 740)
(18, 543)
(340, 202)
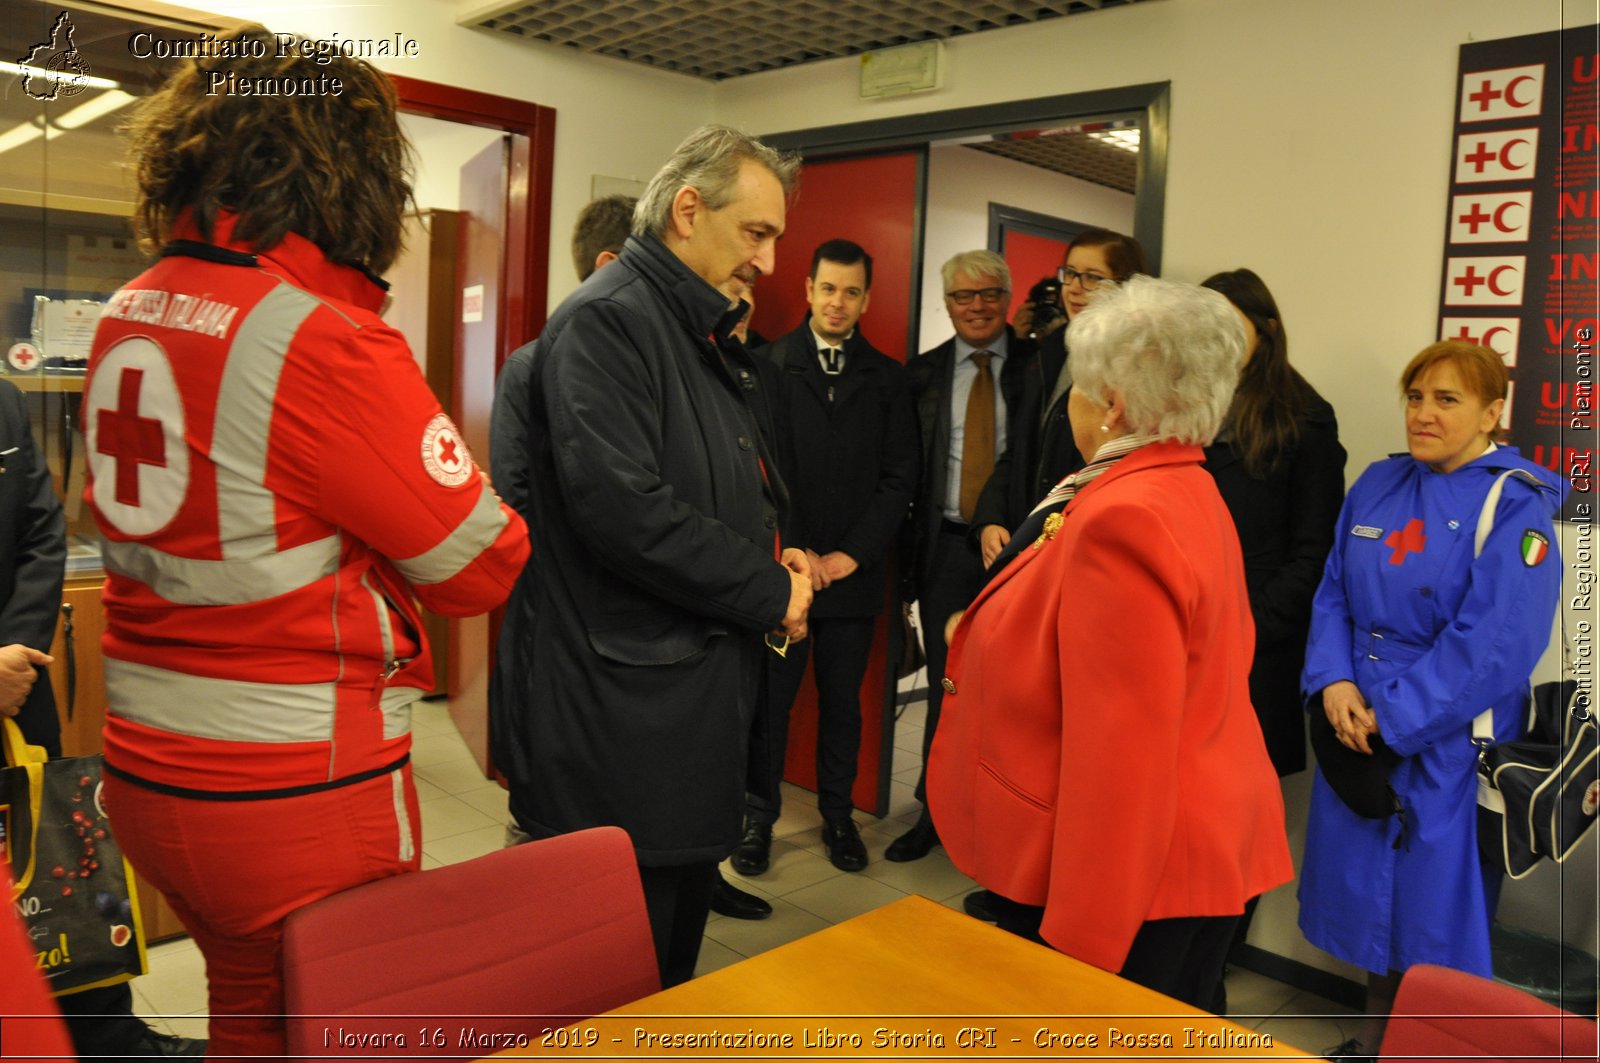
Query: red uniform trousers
(233, 870)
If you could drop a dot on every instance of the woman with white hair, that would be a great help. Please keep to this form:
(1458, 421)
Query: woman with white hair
(1099, 766)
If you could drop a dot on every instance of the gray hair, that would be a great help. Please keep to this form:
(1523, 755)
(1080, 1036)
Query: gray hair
(976, 264)
(708, 161)
(1172, 350)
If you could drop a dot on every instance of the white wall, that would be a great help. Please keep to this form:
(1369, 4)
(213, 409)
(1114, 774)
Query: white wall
(961, 185)
(613, 118)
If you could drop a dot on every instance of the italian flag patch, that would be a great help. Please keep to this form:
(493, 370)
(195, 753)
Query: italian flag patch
(1535, 547)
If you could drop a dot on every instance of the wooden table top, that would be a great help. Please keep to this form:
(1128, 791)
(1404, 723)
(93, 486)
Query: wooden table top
(911, 980)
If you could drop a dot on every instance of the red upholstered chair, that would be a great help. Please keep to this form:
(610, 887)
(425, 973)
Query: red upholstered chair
(476, 954)
(1441, 1014)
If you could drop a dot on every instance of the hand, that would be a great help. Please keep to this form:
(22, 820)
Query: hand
(800, 594)
(951, 624)
(819, 574)
(991, 540)
(1352, 718)
(1022, 320)
(18, 674)
(837, 565)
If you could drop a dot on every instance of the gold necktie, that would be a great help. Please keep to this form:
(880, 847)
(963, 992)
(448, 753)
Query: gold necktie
(977, 440)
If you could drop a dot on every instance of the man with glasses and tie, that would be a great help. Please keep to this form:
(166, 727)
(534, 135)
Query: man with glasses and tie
(847, 447)
(968, 393)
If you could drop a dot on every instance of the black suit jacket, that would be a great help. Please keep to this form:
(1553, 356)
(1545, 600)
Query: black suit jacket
(847, 446)
(33, 557)
(1043, 450)
(931, 375)
(1286, 528)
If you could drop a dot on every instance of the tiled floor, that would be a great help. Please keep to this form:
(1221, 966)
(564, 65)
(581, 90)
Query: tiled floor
(463, 816)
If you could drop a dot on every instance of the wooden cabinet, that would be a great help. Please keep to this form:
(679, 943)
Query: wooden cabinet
(84, 712)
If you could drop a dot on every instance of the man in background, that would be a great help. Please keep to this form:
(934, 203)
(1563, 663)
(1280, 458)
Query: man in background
(597, 239)
(847, 446)
(967, 393)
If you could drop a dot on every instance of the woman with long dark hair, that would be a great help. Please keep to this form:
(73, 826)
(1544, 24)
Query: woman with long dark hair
(1280, 469)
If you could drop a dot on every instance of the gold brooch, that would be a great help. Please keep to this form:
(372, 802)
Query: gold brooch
(1052, 524)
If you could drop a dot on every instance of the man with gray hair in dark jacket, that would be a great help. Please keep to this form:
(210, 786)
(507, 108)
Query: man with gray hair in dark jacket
(658, 583)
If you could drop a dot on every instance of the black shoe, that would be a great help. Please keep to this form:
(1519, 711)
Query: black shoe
(843, 842)
(753, 854)
(914, 844)
(980, 905)
(1349, 1051)
(729, 900)
(155, 1043)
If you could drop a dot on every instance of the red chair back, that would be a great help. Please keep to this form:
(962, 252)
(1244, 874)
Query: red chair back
(480, 955)
(1441, 1014)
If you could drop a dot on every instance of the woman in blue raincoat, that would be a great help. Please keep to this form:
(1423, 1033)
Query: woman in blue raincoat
(1412, 636)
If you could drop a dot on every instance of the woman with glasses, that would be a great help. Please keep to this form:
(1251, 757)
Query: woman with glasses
(1096, 261)
(1098, 764)
(1279, 466)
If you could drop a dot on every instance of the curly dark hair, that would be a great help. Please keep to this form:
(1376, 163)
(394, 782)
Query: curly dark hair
(332, 167)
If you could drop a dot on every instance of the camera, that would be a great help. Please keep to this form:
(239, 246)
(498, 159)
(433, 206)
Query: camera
(1045, 297)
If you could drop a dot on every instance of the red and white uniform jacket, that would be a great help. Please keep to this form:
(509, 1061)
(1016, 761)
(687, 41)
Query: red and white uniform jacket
(273, 480)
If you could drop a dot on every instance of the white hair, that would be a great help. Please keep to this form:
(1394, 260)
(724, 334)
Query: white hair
(977, 265)
(1173, 351)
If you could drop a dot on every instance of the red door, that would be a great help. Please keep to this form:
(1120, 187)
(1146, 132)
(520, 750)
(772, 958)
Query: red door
(875, 201)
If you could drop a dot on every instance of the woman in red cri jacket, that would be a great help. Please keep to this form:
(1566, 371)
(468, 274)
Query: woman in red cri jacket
(1100, 766)
(277, 489)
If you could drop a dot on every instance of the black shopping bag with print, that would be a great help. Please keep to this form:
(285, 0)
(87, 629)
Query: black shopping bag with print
(73, 888)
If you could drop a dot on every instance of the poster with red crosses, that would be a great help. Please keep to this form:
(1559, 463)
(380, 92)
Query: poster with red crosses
(1522, 238)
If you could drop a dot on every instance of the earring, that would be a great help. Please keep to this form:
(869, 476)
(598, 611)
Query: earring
(1105, 428)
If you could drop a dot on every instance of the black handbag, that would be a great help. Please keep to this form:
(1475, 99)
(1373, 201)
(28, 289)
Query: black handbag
(1537, 796)
(1360, 780)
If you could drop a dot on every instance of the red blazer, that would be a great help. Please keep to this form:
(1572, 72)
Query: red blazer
(1098, 754)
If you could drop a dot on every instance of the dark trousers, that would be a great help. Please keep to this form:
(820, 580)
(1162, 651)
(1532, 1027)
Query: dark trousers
(1183, 957)
(839, 648)
(955, 578)
(678, 900)
(101, 1022)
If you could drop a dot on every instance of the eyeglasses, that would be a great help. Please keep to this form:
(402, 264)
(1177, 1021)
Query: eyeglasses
(963, 296)
(1090, 281)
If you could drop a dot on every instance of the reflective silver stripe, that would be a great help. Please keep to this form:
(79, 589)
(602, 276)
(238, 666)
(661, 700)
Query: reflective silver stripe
(191, 581)
(225, 709)
(236, 710)
(461, 547)
(402, 815)
(245, 401)
(396, 704)
(381, 604)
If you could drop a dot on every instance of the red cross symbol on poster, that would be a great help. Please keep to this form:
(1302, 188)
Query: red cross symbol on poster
(1514, 92)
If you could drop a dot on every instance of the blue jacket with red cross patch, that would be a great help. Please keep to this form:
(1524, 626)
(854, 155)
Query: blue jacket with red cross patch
(1431, 635)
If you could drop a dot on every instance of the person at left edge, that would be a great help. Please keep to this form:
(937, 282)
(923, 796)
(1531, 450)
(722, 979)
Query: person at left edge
(659, 572)
(276, 487)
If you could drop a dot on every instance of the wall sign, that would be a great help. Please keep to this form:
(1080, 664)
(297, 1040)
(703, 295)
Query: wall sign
(1522, 245)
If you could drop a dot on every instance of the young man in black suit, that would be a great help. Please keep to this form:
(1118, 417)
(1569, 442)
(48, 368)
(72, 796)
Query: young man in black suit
(847, 447)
